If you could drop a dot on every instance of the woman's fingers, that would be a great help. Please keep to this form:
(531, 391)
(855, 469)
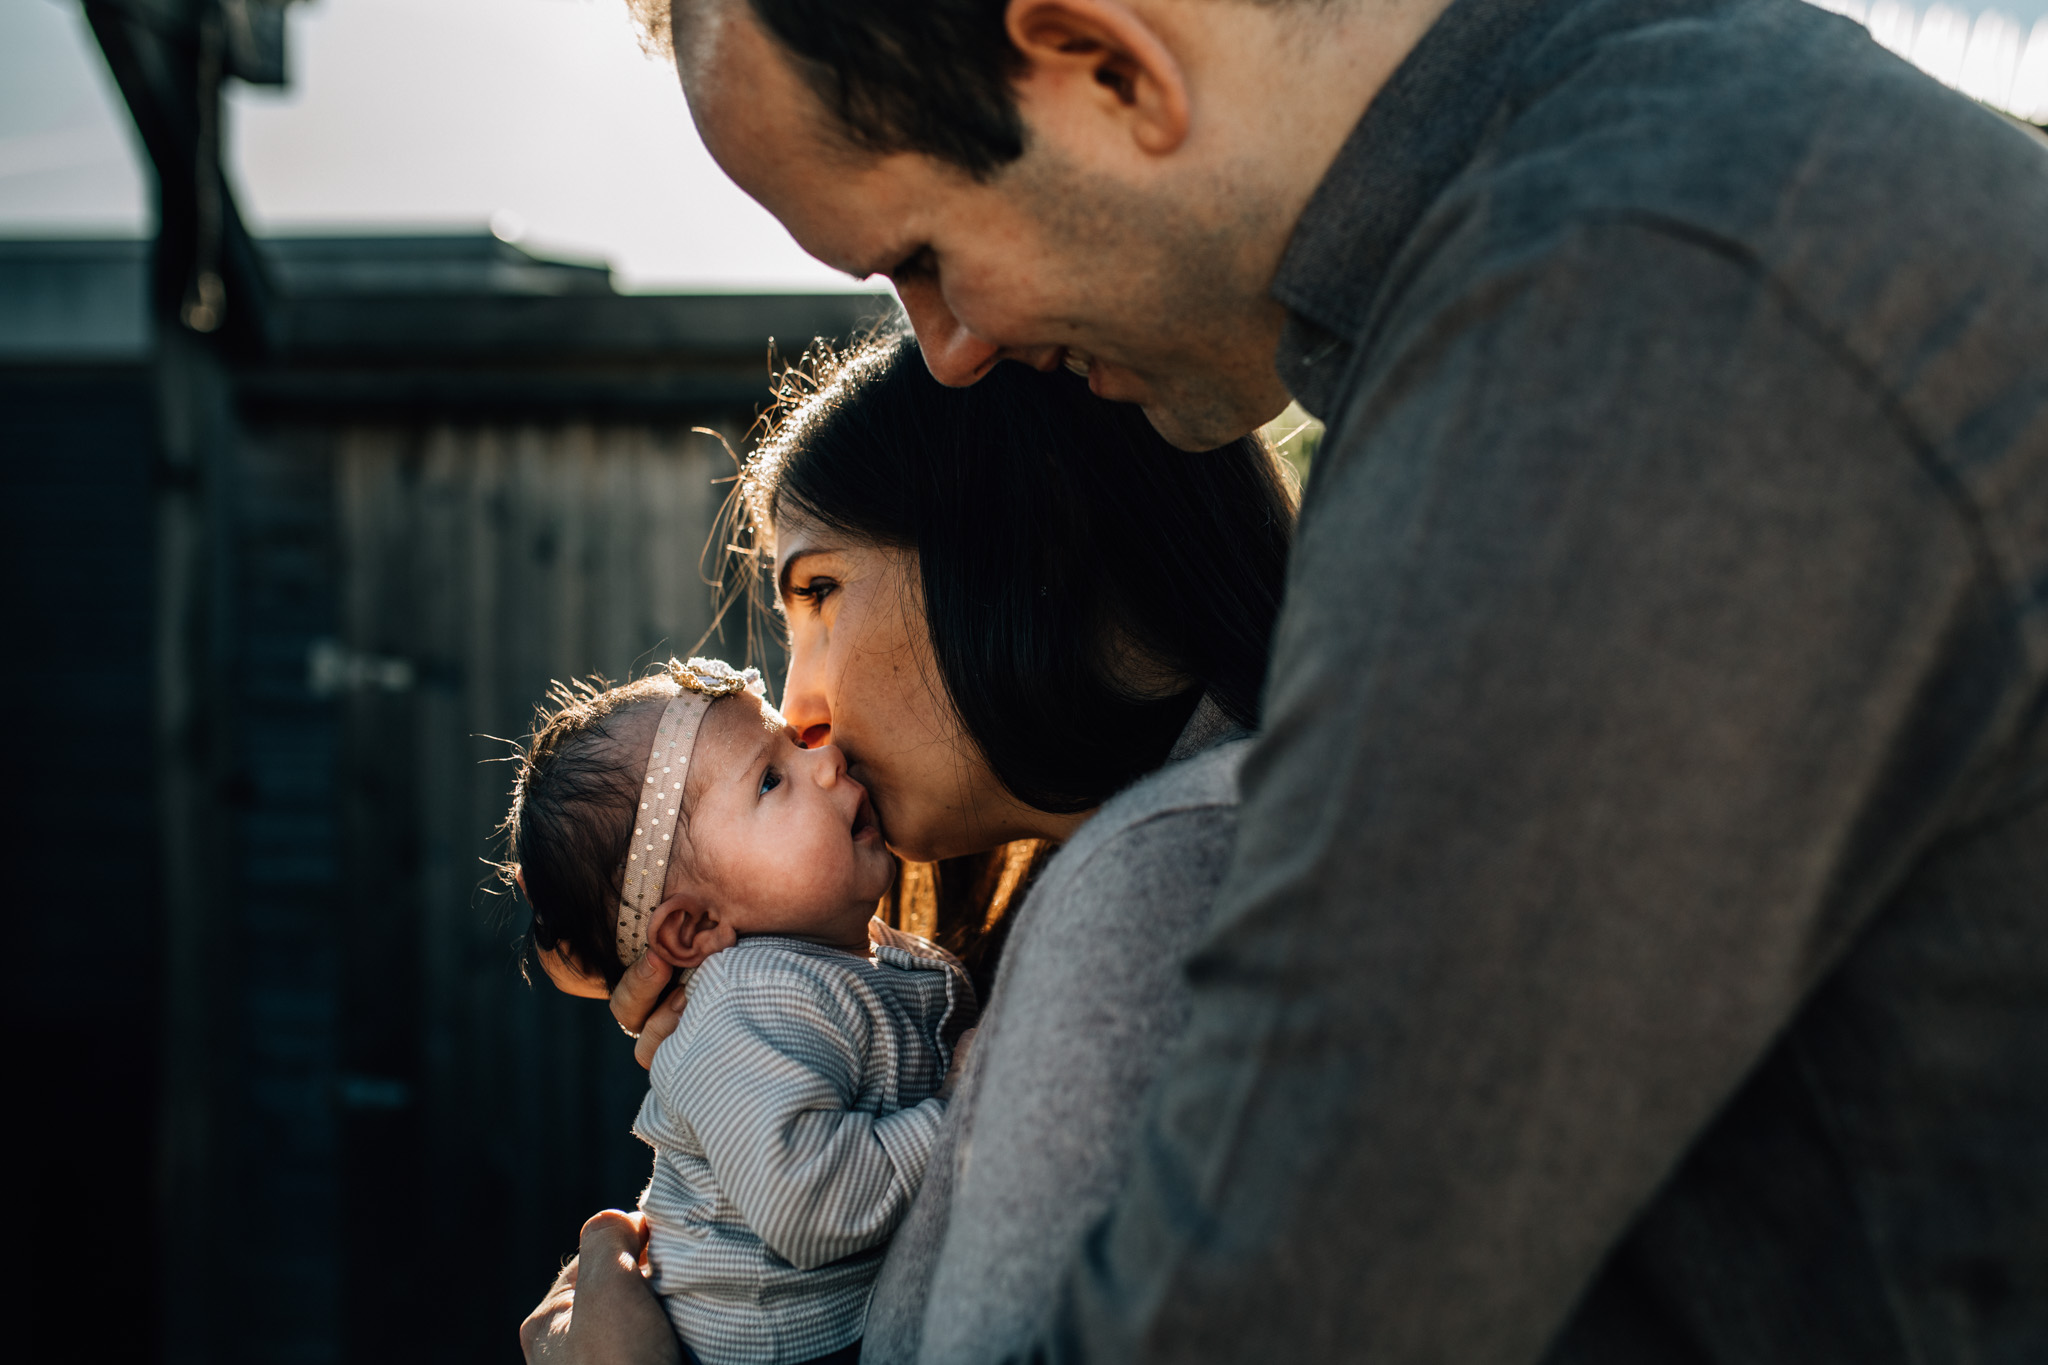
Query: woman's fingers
(638, 991)
(657, 1027)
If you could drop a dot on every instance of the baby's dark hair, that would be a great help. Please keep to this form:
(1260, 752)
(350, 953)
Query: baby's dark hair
(573, 802)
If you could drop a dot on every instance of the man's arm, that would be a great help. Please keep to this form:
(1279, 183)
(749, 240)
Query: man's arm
(1614, 593)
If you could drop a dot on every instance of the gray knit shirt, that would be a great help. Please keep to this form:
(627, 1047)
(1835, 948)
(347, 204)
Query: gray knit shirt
(1088, 998)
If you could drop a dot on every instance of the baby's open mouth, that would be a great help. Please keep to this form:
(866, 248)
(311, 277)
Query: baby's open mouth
(864, 820)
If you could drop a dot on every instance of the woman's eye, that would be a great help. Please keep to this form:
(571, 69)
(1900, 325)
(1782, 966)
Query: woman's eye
(770, 780)
(814, 592)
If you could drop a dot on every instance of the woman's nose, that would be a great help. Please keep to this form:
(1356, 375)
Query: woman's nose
(805, 705)
(955, 356)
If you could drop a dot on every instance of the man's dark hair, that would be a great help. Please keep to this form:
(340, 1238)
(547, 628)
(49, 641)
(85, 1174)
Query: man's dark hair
(931, 76)
(1058, 536)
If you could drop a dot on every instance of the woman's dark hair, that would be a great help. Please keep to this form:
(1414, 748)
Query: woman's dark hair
(1064, 547)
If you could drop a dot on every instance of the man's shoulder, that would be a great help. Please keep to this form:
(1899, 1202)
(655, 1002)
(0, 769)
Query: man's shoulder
(1768, 128)
(1669, 171)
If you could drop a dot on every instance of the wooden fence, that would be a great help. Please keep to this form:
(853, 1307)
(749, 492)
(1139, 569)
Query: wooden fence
(474, 565)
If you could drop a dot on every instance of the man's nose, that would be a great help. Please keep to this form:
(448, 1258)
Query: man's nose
(955, 356)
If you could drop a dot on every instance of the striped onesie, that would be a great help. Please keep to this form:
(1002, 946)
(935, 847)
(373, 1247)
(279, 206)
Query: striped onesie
(791, 1115)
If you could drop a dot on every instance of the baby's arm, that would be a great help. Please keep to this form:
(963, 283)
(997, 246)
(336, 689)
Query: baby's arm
(767, 1085)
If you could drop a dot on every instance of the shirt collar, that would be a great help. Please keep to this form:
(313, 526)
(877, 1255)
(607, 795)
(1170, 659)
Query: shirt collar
(1208, 727)
(1422, 128)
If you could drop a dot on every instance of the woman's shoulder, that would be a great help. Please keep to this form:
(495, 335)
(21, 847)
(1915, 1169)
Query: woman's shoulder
(1161, 840)
(1205, 783)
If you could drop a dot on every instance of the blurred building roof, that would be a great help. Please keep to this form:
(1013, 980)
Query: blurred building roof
(76, 300)
(468, 263)
(405, 321)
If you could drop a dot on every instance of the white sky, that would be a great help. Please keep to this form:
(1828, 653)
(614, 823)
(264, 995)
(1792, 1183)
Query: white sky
(436, 114)
(69, 158)
(441, 114)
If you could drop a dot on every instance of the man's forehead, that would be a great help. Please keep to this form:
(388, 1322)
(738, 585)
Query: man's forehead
(720, 46)
(751, 100)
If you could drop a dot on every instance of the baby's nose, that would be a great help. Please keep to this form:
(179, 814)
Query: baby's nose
(829, 764)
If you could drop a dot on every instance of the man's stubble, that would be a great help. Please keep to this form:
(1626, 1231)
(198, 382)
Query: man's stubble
(1178, 296)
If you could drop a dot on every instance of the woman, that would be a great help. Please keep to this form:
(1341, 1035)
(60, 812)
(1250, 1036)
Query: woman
(1027, 621)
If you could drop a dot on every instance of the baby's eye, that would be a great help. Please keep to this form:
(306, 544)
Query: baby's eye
(771, 778)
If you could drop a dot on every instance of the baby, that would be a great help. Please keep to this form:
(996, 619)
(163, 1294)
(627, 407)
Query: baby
(793, 1110)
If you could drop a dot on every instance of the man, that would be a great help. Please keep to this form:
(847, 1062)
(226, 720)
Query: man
(1637, 944)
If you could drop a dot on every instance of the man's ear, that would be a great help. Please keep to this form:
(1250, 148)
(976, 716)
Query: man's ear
(686, 929)
(1102, 54)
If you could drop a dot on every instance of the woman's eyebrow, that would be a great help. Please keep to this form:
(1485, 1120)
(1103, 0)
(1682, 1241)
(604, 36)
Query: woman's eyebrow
(789, 565)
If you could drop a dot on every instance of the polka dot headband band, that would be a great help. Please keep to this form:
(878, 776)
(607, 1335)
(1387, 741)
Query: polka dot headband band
(698, 683)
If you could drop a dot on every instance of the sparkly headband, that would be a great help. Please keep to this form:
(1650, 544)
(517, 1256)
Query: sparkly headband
(698, 683)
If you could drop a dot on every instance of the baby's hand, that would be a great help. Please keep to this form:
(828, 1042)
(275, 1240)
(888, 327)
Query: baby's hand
(959, 1066)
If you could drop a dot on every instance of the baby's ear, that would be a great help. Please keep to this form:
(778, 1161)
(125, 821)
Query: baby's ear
(686, 929)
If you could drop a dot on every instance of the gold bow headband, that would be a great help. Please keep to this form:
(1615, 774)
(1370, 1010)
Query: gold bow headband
(698, 683)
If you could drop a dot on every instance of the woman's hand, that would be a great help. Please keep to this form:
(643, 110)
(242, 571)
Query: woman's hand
(640, 1010)
(600, 1310)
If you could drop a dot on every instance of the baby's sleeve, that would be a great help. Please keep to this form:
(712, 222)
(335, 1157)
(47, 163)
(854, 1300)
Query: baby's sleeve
(767, 1084)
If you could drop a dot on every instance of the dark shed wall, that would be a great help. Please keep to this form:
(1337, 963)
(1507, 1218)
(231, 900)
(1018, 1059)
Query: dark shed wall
(426, 1130)
(410, 1131)
(77, 447)
(478, 562)
(263, 610)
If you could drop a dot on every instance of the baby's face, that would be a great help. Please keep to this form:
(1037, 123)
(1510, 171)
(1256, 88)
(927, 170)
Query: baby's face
(782, 839)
